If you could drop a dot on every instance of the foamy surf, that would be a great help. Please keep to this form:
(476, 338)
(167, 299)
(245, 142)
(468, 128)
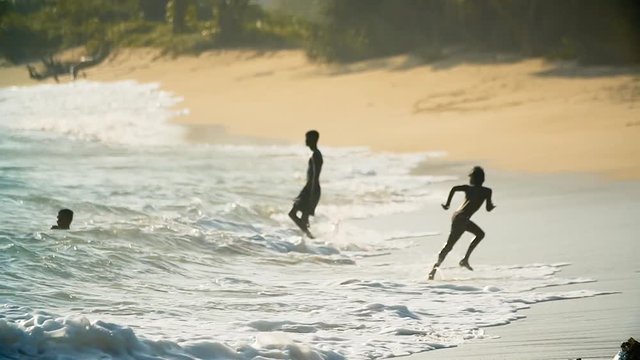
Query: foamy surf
(123, 112)
(352, 318)
(181, 251)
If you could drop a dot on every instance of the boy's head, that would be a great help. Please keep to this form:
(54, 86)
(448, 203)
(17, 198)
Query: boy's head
(476, 176)
(65, 216)
(311, 138)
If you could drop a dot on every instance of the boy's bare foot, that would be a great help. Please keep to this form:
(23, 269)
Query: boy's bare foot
(433, 273)
(305, 227)
(465, 263)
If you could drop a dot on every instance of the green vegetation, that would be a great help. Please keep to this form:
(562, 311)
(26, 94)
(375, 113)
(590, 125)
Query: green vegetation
(592, 31)
(34, 28)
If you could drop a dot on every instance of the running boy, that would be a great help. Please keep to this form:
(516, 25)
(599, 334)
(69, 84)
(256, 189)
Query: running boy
(475, 195)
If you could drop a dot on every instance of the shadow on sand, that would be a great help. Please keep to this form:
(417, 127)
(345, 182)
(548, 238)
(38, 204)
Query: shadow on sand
(447, 60)
(571, 69)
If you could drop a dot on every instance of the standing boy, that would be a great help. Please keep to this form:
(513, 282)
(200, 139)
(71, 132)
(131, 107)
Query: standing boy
(475, 195)
(308, 198)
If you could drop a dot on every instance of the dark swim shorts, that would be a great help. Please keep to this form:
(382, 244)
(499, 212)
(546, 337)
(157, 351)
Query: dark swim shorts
(459, 221)
(306, 201)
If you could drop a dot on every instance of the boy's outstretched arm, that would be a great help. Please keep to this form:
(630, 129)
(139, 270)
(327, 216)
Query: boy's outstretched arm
(451, 192)
(490, 205)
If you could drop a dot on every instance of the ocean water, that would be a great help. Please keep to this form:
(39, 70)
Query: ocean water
(185, 251)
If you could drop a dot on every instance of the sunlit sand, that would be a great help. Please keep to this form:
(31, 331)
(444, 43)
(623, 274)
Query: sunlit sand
(516, 114)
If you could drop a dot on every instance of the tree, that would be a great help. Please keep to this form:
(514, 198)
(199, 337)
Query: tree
(230, 15)
(154, 10)
(176, 14)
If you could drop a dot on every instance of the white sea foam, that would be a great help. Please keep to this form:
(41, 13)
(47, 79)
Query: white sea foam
(354, 319)
(123, 112)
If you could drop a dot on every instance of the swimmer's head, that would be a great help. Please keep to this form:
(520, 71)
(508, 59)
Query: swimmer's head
(65, 216)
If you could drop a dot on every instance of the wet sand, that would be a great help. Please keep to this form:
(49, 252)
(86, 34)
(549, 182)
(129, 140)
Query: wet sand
(581, 220)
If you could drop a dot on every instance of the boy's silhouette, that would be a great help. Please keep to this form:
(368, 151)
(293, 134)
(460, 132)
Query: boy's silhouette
(475, 195)
(65, 216)
(308, 198)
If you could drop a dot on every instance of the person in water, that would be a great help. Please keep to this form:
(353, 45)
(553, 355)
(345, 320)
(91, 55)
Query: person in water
(65, 216)
(475, 195)
(308, 198)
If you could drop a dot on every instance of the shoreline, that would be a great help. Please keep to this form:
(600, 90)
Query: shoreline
(523, 115)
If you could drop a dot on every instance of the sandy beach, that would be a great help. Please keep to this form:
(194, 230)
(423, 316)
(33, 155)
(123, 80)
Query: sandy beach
(510, 113)
(560, 143)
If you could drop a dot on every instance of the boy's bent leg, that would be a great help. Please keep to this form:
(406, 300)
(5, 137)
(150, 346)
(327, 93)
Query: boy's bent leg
(293, 214)
(454, 236)
(477, 231)
(304, 226)
(443, 253)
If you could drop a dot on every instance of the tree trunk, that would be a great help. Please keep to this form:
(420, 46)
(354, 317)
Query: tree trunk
(179, 15)
(230, 14)
(153, 10)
